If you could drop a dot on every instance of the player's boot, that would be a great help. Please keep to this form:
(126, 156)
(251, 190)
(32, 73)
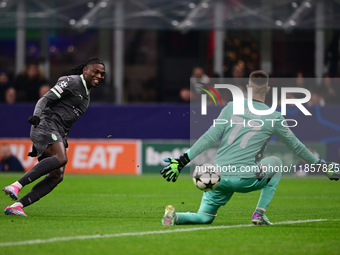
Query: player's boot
(15, 211)
(12, 191)
(258, 219)
(169, 216)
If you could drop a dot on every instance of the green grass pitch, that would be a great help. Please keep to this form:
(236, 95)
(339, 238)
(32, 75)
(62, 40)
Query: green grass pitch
(129, 210)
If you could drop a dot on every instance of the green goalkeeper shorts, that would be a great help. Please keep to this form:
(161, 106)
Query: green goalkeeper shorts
(213, 199)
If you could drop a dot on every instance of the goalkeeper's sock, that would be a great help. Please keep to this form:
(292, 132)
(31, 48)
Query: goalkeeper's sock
(268, 191)
(194, 218)
(260, 210)
(43, 167)
(39, 190)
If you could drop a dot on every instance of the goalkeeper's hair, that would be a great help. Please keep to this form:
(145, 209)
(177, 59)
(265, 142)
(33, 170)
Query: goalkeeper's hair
(79, 69)
(258, 77)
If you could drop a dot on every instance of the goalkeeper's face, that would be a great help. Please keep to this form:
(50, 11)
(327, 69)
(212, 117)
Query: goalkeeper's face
(93, 75)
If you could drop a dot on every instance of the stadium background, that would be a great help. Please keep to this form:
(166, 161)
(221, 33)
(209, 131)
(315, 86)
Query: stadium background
(150, 49)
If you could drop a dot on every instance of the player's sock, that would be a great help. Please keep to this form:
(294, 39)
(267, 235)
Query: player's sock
(268, 191)
(17, 204)
(195, 218)
(260, 210)
(17, 184)
(43, 167)
(39, 190)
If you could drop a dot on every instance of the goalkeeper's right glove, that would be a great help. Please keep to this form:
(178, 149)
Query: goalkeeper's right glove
(172, 171)
(332, 170)
(34, 120)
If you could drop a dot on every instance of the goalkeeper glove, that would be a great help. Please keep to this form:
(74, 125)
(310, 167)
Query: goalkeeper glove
(171, 171)
(331, 170)
(34, 120)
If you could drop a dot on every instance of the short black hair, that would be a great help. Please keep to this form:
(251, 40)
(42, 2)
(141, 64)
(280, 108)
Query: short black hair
(79, 69)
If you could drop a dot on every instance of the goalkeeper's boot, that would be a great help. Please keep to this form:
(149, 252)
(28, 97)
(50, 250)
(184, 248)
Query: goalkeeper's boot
(170, 216)
(17, 210)
(258, 219)
(12, 191)
(333, 172)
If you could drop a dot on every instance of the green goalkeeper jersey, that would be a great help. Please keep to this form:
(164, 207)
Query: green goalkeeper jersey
(245, 138)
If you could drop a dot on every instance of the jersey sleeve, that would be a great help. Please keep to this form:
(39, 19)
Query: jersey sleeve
(63, 87)
(285, 135)
(211, 135)
(44, 102)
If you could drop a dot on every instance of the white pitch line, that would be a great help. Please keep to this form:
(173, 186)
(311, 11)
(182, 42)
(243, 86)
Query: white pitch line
(70, 238)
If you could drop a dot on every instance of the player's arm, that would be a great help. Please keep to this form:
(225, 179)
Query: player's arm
(52, 95)
(286, 136)
(173, 169)
(212, 134)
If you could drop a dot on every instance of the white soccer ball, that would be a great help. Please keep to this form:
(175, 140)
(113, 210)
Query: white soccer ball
(206, 177)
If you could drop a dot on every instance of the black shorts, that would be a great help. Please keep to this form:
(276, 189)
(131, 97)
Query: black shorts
(44, 135)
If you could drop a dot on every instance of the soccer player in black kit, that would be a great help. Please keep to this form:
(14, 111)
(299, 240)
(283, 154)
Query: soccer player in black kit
(53, 116)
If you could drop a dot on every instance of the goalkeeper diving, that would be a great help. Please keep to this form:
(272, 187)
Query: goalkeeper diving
(242, 146)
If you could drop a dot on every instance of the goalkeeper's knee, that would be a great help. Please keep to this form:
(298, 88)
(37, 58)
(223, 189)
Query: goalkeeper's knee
(206, 218)
(277, 160)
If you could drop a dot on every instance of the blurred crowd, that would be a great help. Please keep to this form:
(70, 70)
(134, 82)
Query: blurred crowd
(8, 161)
(28, 86)
(31, 84)
(324, 92)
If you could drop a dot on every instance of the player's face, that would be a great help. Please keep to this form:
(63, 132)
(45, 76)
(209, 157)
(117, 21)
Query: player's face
(93, 75)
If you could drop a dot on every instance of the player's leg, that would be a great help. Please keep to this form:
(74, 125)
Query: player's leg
(55, 158)
(41, 189)
(211, 202)
(268, 186)
(38, 191)
(201, 217)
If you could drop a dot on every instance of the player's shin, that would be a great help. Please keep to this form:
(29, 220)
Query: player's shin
(195, 218)
(43, 167)
(40, 190)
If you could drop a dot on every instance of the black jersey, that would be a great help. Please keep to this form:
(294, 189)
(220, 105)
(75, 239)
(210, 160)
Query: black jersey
(66, 101)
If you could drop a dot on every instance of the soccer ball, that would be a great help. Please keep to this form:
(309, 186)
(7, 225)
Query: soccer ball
(206, 177)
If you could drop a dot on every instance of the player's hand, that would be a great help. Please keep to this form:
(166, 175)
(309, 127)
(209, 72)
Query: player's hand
(34, 120)
(331, 170)
(172, 171)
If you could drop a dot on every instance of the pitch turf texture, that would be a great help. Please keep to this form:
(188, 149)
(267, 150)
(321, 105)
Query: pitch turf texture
(122, 215)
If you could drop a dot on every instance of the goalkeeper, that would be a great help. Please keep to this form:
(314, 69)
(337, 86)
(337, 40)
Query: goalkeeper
(242, 146)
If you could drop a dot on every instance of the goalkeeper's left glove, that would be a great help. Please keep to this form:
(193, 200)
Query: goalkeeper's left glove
(331, 170)
(172, 171)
